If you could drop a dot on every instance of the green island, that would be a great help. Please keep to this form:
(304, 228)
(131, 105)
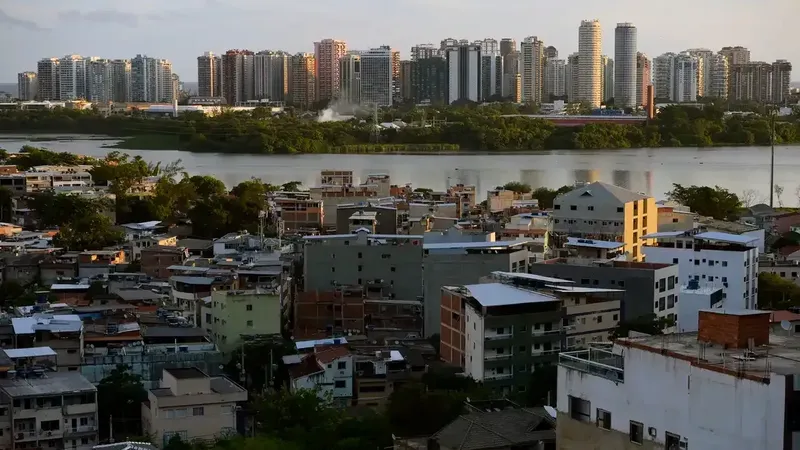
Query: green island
(449, 129)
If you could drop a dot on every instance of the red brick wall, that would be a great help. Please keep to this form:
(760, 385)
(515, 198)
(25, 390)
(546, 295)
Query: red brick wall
(733, 331)
(451, 343)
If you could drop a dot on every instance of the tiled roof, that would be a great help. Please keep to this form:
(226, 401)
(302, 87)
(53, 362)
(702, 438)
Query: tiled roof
(499, 429)
(307, 366)
(329, 354)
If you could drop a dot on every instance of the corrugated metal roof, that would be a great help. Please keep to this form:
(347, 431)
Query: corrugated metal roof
(499, 294)
(49, 384)
(726, 237)
(33, 352)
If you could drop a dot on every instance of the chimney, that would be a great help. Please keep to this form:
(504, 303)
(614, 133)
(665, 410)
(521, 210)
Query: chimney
(734, 329)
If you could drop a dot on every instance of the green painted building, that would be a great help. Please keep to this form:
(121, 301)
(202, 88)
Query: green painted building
(235, 313)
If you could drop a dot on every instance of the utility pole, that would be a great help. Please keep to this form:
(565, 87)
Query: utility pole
(772, 157)
(110, 428)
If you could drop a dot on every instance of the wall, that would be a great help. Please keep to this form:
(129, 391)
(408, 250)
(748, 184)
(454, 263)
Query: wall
(712, 410)
(473, 344)
(454, 269)
(387, 218)
(231, 318)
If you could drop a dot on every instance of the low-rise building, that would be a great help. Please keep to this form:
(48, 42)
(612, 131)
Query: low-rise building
(385, 217)
(238, 313)
(47, 410)
(377, 375)
(329, 370)
(157, 258)
(731, 385)
(63, 333)
(99, 262)
(191, 405)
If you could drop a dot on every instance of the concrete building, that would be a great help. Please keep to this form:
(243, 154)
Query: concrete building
(191, 405)
(663, 75)
(49, 79)
(151, 80)
(751, 82)
(27, 86)
(705, 62)
(644, 78)
(385, 218)
(736, 55)
(604, 212)
(590, 70)
(72, 77)
(405, 80)
(429, 78)
(460, 263)
(47, 410)
(245, 313)
(209, 75)
(532, 69)
(303, 87)
(491, 73)
(357, 258)
(377, 85)
(625, 67)
(720, 77)
(464, 73)
(607, 75)
(328, 370)
(781, 79)
(327, 54)
(500, 333)
(120, 80)
(572, 78)
(350, 78)
(238, 84)
(512, 79)
(730, 385)
(507, 46)
(99, 81)
(650, 288)
(555, 79)
(272, 70)
(63, 333)
(715, 259)
(685, 79)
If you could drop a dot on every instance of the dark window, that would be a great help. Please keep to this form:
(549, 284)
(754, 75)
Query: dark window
(674, 260)
(341, 365)
(573, 207)
(603, 419)
(620, 209)
(339, 384)
(556, 206)
(580, 409)
(637, 432)
(672, 441)
(360, 255)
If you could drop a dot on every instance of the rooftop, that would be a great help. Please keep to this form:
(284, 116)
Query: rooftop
(126, 446)
(725, 237)
(172, 332)
(477, 245)
(198, 281)
(598, 188)
(187, 373)
(500, 294)
(304, 345)
(63, 323)
(33, 352)
(508, 428)
(530, 276)
(608, 245)
(581, 290)
(329, 354)
(49, 384)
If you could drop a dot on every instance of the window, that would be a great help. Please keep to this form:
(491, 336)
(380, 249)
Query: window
(696, 262)
(603, 419)
(637, 432)
(724, 263)
(599, 319)
(249, 307)
(249, 324)
(672, 441)
(591, 208)
(333, 269)
(339, 384)
(620, 209)
(341, 365)
(556, 206)
(580, 409)
(573, 207)
(615, 317)
(393, 269)
(198, 411)
(360, 255)
(360, 268)
(674, 260)
(522, 349)
(523, 328)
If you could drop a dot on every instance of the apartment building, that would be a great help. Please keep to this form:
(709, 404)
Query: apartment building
(47, 410)
(377, 76)
(63, 333)
(453, 263)
(328, 370)
(361, 257)
(272, 71)
(238, 313)
(303, 80)
(209, 75)
(498, 200)
(327, 54)
(350, 78)
(48, 79)
(714, 259)
(429, 75)
(644, 78)
(385, 217)
(299, 211)
(27, 86)
(730, 385)
(649, 288)
(604, 212)
(191, 405)
(156, 259)
(378, 373)
(238, 85)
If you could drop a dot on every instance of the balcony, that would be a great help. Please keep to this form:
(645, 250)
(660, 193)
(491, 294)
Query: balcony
(498, 377)
(80, 408)
(595, 361)
(496, 357)
(51, 434)
(80, 430)
(497, 337)
(21, 436)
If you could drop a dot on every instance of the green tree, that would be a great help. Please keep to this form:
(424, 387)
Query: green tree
(55, 210)
(713, 202)
(546, 196)
(300, 417)
(92, 232)
(647, 324)
(413, 410)
(776, 293)
(10, 291)
(119, 398)
(292, 186)
(516, 186)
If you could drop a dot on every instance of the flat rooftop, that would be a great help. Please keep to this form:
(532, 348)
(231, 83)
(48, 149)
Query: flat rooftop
(590, 243)
(51, 383)
(500, 294)
(187, 373)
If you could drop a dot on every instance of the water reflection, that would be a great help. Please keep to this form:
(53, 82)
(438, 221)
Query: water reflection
(621, 178)
(586, 176)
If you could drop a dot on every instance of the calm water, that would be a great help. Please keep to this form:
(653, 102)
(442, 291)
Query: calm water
(645, 170)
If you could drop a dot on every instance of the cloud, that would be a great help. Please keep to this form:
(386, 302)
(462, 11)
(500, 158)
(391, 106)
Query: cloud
(20, 23)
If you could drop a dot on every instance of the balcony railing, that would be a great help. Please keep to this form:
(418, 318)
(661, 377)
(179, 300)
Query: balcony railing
(498, 376)
(548, 332)
(497, 357)
(595, 361)
(80, 430)
(25, 435)
(497, 337)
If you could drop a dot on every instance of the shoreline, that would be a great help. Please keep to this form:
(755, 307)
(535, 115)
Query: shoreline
(148, 144)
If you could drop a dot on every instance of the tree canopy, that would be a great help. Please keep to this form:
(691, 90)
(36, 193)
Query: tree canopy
(119, 398)
(715, 202)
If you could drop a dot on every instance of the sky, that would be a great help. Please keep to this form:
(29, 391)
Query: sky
(181, 30)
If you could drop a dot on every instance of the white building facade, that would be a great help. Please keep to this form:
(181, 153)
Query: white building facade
(590, 76)
(464, 73)
(712, 259)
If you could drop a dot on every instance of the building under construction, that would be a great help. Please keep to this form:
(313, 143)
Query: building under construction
(368, 309)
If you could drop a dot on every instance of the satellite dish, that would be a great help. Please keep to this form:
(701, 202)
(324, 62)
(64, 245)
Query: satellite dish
(786, 325)
(552, 411)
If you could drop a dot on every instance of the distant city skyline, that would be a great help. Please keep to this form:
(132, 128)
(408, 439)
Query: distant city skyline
(191, 27)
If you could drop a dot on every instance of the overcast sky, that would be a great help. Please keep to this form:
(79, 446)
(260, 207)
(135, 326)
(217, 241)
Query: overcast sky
(180, 30)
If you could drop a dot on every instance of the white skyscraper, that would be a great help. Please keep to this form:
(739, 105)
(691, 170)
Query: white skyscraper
(705, 61)
(532, 69)
(464, 73)
(350, 78)
(72, 77)
(151, 80)
(491, 69)
(719, 76)
(121, 80)
(47, 74)
(590, 71)
(271, 75)
(685, 78)
(663, 73)
(100, 81)
(555, 79)
(625, 49)
(376, 76)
